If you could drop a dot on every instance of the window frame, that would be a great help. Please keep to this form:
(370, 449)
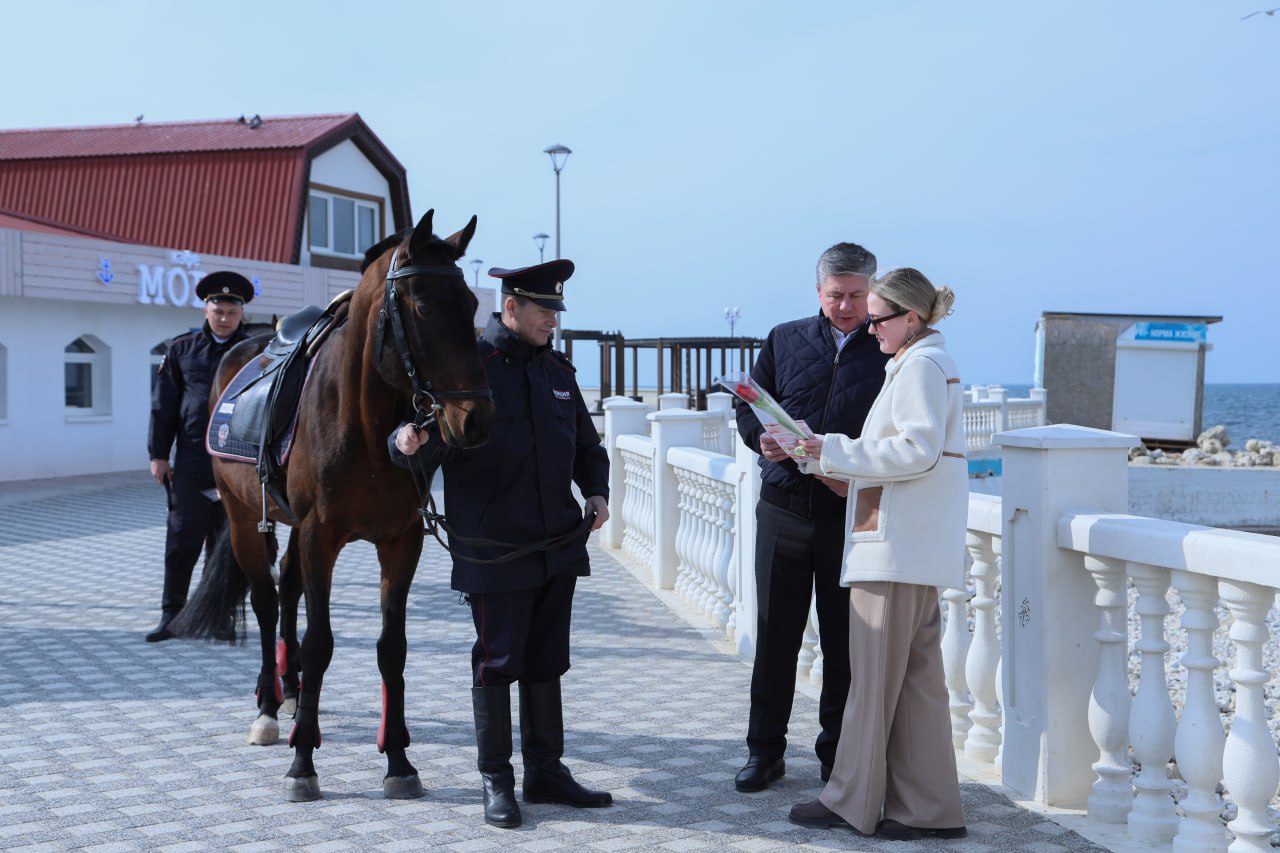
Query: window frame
(99, 380)
(360, 201)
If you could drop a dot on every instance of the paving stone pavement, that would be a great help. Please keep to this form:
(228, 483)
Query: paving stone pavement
(111, 744)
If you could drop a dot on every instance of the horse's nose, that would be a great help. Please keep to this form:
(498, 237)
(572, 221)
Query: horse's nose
(478, 424)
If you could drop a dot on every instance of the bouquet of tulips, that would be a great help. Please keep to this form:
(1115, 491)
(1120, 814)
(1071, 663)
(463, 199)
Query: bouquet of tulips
(786, 430)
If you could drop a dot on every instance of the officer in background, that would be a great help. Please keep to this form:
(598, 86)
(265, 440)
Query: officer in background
(180, 415)
(517, 489)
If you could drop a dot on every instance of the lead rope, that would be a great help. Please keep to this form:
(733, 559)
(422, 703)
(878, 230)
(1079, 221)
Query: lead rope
(433, 522)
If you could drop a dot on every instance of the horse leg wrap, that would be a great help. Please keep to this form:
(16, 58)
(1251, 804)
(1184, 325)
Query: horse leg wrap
(307, 720)
(382, 727)
(282, 659)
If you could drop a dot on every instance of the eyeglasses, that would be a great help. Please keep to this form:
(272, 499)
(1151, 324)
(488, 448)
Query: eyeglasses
(873, 322)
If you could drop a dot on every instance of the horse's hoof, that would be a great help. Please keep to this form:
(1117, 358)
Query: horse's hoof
(302, 790)
(289, 707)
(402, 787)
(264, 732)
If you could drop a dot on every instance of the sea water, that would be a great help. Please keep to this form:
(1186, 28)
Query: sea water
(1247, 410)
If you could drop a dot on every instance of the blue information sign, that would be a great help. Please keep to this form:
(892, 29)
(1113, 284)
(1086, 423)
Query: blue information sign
(1182, 332)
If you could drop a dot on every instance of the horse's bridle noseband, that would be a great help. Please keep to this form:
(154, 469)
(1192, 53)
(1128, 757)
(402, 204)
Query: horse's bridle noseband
(425, 398)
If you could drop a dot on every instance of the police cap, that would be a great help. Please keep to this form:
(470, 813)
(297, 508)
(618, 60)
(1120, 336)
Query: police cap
(225, 286)
(543, 283)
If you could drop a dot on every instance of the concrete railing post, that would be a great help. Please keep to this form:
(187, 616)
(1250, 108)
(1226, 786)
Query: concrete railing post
(1049, 653)
(1041, 396)
(672, 400)
(721, 403)
(670, 428)
(745, 564)
(1000, 395)
(622, 416)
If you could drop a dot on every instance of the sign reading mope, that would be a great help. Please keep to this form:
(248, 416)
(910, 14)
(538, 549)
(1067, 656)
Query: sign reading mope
(178, 282)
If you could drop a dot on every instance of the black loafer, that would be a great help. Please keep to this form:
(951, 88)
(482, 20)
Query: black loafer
(815, 815)
(892, 830)
(759, 773)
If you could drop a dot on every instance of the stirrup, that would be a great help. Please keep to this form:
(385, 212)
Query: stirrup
(266, 525)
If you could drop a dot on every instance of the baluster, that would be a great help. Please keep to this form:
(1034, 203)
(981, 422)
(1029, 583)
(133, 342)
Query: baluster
(723, 556)
(1249, 759)
(1152, 722)
(955, 646)
(1199, 743)
(804, 663)
(707, 547)
(1110, 703)
(983, 739)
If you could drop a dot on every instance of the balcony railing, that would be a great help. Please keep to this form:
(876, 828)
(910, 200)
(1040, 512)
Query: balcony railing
(1062, 591)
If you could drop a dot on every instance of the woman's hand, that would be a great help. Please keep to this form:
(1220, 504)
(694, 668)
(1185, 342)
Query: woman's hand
(808, 447)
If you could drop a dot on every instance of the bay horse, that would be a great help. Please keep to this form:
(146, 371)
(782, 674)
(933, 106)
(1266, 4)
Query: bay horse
(407, 350)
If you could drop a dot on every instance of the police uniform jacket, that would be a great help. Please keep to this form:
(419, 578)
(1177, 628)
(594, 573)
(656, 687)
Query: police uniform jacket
(180, 400)
(517, 487)
(831, 391)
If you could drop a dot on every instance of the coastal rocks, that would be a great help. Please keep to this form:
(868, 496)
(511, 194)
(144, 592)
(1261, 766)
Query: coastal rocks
(1211, 450)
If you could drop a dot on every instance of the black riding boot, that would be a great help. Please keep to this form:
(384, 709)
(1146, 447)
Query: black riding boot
(492, 708)
(546, 780)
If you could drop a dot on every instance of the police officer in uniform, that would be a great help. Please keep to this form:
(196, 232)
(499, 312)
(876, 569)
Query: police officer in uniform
(180, 415)
(517, 489)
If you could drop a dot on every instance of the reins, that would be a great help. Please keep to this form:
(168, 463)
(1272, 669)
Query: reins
(427, 408)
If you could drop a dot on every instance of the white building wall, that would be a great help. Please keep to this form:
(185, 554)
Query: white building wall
(345, 167)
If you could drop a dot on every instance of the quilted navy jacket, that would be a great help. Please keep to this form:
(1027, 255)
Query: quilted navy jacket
(830, 391)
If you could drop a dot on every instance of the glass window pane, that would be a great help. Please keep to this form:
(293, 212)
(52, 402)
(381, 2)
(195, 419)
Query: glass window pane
(80, 385)
(319, 222)
(367, 232)
(344, 226)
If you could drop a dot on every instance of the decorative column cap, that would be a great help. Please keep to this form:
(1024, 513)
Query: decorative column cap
(1065, 437)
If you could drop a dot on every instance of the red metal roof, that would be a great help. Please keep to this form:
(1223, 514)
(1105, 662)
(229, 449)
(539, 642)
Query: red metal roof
(217, 187)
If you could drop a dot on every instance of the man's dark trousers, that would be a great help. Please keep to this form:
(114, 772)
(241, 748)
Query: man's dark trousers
(796, 558)
(194, 523)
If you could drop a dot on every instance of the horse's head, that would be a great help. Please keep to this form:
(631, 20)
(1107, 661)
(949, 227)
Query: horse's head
(424, 335)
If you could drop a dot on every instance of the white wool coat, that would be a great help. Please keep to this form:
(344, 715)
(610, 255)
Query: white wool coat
(909, 499)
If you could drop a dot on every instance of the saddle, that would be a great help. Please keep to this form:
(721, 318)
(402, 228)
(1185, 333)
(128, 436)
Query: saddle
(255, 416)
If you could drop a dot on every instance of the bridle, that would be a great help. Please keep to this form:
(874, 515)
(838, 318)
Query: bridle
(427, 408)
(426, 399)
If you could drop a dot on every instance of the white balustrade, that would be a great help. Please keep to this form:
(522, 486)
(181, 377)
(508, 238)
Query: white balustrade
(636, 456)
(1110, 703)
(982, 741)
(1151, 719)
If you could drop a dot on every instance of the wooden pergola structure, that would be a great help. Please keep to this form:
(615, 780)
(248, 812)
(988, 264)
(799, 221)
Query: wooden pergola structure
(685, 365)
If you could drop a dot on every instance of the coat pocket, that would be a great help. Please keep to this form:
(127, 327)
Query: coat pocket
(868, 513)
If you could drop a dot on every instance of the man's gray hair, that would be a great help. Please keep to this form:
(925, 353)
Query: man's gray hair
(845, 259)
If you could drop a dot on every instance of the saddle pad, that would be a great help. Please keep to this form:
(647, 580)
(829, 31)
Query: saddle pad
(224, 442)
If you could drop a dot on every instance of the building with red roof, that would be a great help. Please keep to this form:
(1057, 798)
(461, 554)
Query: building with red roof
(105, 232)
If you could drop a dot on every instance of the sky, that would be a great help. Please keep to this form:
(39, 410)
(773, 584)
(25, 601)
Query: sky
(1096, 156)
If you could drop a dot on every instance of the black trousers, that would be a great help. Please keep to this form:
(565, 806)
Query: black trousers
(524, 635)
(194, 523)
(797, 558)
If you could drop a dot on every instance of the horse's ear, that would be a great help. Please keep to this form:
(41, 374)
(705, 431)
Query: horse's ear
(421, 235)
(460, 240)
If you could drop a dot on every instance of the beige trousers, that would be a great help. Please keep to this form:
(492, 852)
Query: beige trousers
(895, 759)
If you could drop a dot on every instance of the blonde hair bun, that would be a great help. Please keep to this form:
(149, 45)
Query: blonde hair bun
(943, 299)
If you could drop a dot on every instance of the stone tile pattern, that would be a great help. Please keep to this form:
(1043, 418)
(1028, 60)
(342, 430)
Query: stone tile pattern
(111, 744)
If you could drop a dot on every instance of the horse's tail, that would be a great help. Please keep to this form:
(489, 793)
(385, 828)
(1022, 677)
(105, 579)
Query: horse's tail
(215, 608)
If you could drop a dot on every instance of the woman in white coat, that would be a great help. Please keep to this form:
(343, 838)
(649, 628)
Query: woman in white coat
(895, 773)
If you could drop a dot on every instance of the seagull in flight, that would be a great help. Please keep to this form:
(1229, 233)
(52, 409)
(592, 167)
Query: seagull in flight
(1270, 12)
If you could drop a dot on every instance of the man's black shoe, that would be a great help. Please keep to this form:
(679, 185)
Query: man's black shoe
(826, 773)
(162, 632)
(555, 784)
(759, 773)
(817, 816)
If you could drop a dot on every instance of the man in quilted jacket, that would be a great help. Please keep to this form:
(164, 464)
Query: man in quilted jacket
(825, 369)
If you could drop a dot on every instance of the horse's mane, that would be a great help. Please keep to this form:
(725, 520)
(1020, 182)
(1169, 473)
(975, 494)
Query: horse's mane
(374, 252)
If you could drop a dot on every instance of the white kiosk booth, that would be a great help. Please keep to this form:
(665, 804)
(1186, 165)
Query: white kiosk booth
(1159, 380)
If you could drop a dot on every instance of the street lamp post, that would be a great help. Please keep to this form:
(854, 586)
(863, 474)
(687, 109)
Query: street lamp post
(559, 155)
(475, 265)
(541, 239)
(731, 315)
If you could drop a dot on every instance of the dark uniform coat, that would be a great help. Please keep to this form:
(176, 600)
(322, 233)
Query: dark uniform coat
(180, 401)
(517, 488)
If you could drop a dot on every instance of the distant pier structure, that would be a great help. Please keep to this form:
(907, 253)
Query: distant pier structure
(686, 366)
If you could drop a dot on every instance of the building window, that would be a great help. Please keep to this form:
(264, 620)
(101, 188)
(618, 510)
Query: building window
(157, 356)
(88, 376)
(342, 224)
